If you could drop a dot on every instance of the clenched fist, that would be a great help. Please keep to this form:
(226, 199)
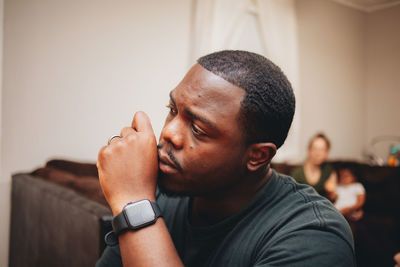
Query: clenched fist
(128, 166)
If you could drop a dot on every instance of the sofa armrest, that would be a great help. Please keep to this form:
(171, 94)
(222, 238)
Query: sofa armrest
(53, 226)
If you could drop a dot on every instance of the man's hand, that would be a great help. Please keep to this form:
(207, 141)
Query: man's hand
(128, 166)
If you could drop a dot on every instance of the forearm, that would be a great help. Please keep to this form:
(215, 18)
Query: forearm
(128, 168)
(358, 205)
(149, 246)
(355, 207)
(331, 183)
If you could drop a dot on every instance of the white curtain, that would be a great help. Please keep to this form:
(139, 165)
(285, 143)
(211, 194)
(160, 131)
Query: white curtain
(267, 27)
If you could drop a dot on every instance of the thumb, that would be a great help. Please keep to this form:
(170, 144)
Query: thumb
(141, 122)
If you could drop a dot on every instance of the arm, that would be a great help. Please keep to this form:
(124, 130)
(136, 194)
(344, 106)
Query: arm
(359, 204)
(330, 186)
(128, 170)
(150, 246)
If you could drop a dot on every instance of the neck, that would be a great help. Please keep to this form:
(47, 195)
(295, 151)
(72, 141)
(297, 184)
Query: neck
(312, 166)
(212, 209)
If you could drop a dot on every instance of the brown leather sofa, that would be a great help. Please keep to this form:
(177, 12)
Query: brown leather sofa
(58, 216)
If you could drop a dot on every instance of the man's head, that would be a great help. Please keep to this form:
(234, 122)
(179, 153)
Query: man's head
(268, 105)
(226, 120)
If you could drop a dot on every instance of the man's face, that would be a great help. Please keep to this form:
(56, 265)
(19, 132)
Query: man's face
(201, 145)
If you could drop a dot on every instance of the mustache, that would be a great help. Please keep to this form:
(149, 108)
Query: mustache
(171, 156)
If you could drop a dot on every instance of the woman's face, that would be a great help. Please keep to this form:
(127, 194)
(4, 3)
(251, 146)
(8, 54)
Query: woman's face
(318, 151)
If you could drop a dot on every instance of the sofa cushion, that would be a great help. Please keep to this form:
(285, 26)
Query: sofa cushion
(89, 186)
(77, 168)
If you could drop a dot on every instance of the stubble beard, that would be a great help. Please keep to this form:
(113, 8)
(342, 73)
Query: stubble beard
(166, 191)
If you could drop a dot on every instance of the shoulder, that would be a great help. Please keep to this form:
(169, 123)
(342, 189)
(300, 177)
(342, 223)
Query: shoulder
(307, 231)
(358, 187)
(309, 247)
(300, 204)
(298, 169)
(327, 167)
(298, 173)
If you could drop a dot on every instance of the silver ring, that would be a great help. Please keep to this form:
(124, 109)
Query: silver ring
(112, 137)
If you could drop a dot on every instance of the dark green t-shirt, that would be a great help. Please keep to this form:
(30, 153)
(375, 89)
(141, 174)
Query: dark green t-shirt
(286, 224)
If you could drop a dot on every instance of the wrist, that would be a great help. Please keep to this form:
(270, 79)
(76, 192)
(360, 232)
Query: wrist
(136, 215)
(118, 205)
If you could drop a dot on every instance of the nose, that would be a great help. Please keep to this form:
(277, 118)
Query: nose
(172, 133)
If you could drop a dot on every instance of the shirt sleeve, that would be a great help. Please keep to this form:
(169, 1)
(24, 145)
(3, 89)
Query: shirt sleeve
(358, 189)
(311, 247)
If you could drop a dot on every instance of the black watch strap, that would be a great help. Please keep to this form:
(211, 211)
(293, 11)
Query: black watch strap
(123, 221)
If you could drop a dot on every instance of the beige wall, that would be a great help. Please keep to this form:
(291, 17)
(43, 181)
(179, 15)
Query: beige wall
(4, 185)
(383, 77)
(332, 75)
(349, 76)
(76, 71)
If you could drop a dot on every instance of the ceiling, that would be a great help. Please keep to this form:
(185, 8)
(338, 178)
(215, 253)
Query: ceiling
(369, 5)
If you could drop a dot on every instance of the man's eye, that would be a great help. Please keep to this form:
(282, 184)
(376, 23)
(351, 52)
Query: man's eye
(172, 109)
(197, 131)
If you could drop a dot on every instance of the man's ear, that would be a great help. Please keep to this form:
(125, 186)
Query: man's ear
(259, 155)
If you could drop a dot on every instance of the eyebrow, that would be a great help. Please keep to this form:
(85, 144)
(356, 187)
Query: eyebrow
(196, 116)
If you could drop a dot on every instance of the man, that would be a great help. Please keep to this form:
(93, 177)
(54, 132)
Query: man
(227, 118)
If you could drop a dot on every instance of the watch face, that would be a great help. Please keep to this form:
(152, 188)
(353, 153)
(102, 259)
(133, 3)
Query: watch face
(139, 214)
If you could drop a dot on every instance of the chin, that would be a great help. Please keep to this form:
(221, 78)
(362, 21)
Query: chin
(166, 187)
(173, 187)
(318, 162)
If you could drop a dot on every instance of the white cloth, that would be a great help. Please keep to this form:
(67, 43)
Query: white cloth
(347, 195)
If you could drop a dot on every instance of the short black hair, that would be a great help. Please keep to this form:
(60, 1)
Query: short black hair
(268, 106)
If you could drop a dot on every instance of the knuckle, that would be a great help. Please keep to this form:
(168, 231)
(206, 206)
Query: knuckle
(101, 153)
(131, 138)
(118, 146)
(107, 152)
(150, 138)
(125, 131)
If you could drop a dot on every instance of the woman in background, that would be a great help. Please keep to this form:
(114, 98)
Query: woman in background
(315, 171)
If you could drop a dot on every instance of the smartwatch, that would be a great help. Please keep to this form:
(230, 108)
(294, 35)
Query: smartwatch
(136, 215)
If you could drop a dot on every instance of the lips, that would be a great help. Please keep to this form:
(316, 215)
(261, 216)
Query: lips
(166, 164)
(166, 160)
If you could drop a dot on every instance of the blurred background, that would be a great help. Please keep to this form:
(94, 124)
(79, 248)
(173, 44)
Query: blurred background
(74, 72)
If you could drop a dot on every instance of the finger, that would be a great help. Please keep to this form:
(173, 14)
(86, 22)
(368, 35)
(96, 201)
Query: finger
(141, 122)
(126, 131)
(100, 157)
(114, 139)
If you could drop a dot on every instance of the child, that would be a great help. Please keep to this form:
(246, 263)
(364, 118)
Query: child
(350, 195)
